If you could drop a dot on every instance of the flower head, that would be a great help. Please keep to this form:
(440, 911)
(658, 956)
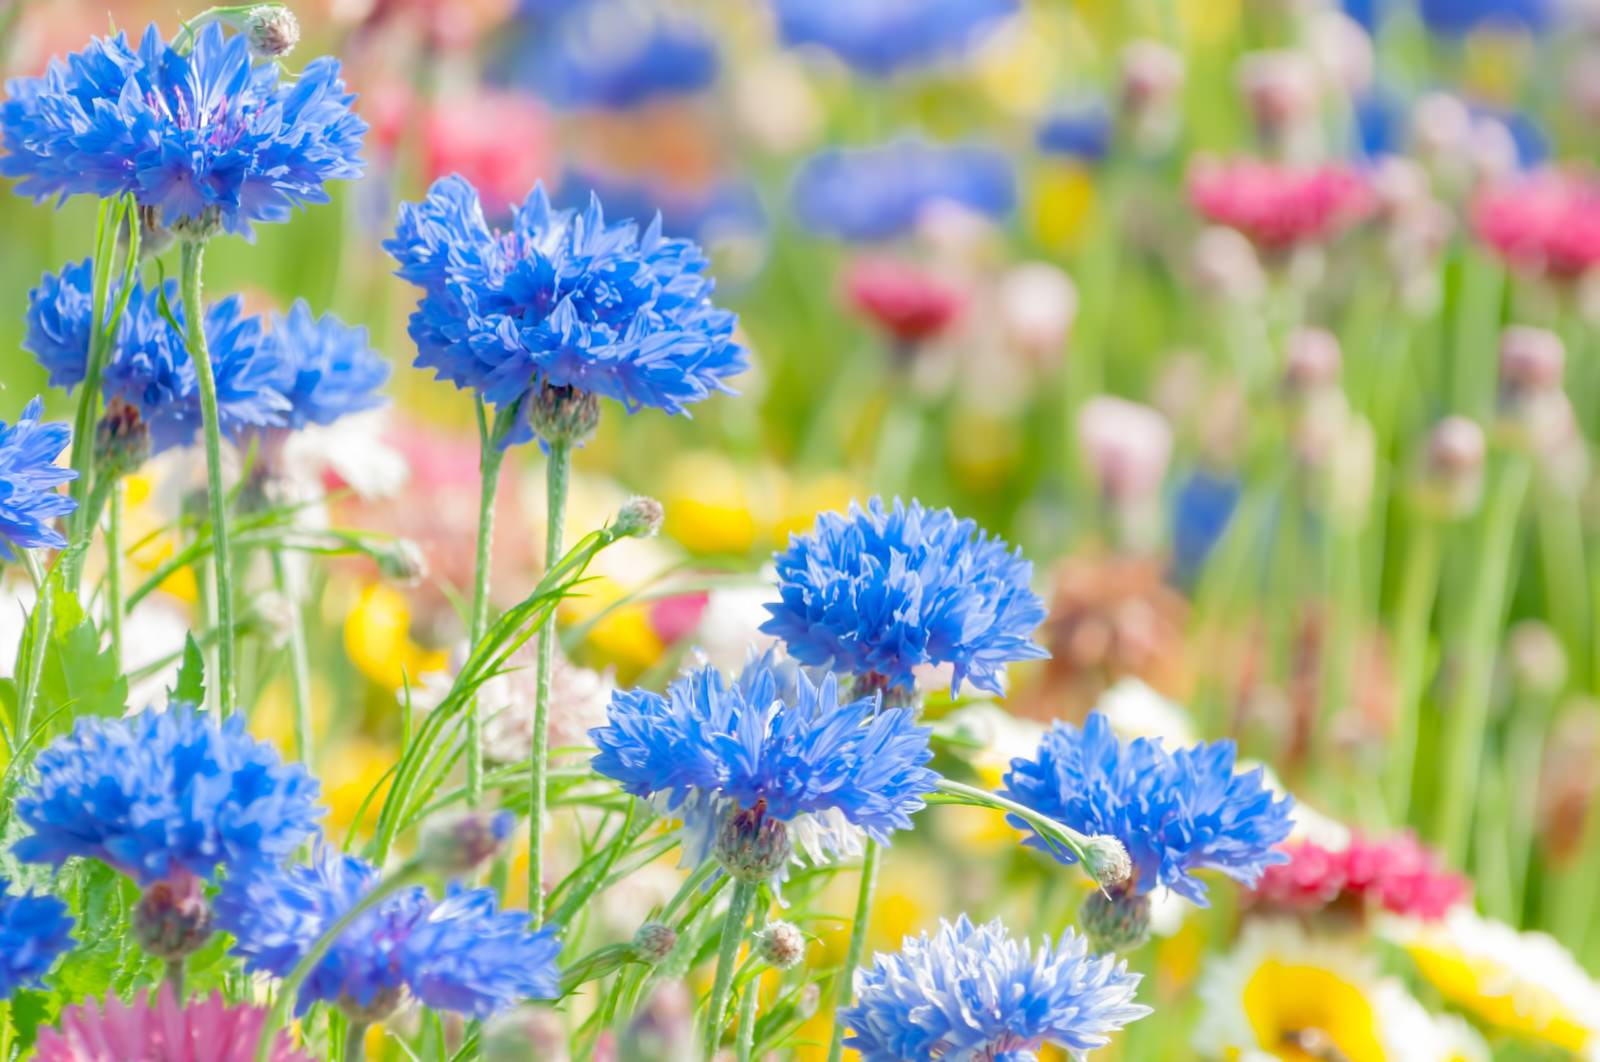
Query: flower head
(618, 55)
(149, 365)
(1176, 812)
(1398, 874)
(163, 794)
(28, 478)
(883, 591)
(325, 368)
(911, 304)
(34, 932)
(560, 300)
(207, 134)
(880, 39)
(458, 954)
(770, 746)
(975, 992)
(159, 1029)
(878, 193)
(1545, 221)
(1279, 205)
(1082, 131)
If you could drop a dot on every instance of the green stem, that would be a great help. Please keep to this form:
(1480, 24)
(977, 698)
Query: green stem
(744, 893)
(83, 423)
(1469, 714)
(558, 471)
(1418, 589)
(749, 1005)
(193, 259)
(355, 1042)
(858, 944)
(114, 604)
(299, 661)
(490, 457)
(290, 988)
(175, 978)
(29, 690)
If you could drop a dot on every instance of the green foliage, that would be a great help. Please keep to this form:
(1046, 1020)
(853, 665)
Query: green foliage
(191, 685)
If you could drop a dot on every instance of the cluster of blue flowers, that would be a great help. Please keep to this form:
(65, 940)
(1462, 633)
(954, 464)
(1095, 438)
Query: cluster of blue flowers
(774, 741)
(456, 954)
(305, 370)
(1081, 131)
(163, 795)
(881, 591)
(194, 136)
(974, 992)
(886, 37)
(878, 193)
(1175, 812)
(34, 932)
(29, 477)
(616, 55)
(562, 299)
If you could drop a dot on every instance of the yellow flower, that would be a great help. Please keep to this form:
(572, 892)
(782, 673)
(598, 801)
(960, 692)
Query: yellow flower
(377, 635)
(621, 633)
(708, 505)
(349, 773)
(1525, 984)
(142, 522)
(1059, 203)
(803, 500)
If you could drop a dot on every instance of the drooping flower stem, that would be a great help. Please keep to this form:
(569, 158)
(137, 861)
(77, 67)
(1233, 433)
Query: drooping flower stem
(28, 690)
(1469, 712)
(299, 663)
(289, 991)
(558, 470)
(490, 457)
(858, 943)
(114, 604)
(193, 258)
(744, 893)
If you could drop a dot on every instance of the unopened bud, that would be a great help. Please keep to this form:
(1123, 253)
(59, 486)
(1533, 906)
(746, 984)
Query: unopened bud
(1152, 78)
(654, 941)
(639, 517)
(781, 944)
(1107, 861)
(402, 561)
(564, 415)
(1452, 474)
(662, 1030)
(1118, 920)
(1126, 447)
(1532, 361)
(121, 438)
(1313, 361)
(1538, 660)
(523, 1033)
(1282, 90)
(272, 30)
(172, 918)
(1226, 265)
(752, 846)
(456, 844)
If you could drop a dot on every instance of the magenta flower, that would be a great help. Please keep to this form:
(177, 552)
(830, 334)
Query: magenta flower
(159, 1030)
(1279, 205)
(1548, 221)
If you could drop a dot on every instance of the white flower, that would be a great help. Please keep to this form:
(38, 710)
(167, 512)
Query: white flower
(1134, 710)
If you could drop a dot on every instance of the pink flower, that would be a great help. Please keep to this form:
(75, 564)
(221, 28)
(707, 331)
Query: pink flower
(1399, 875)
(1279, 205)
(1547, 221)
(909, 303)
(206, 1030)
(502, 142)
(1312, 878)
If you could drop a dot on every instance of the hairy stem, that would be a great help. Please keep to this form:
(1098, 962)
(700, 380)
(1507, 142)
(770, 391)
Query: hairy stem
(557, 472)
(858, 944)
(744, 893)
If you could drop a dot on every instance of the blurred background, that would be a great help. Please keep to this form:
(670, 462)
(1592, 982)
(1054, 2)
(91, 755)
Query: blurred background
(1200, 303)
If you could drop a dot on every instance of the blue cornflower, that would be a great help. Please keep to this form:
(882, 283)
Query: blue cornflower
(1176, 812)
(560, 300)
(771, 743)
(878, 193)
(458, 954)
(326, 368)
(165, 794)
(613, 55)
(1082, 132)
(195, 137)
(466, 957)
(149, 365)
(973, 992)
(1202, 509)
(730, 209)
(29, 477)
(1457, 18)
(882, 591)
(34, 932)
(887, 36)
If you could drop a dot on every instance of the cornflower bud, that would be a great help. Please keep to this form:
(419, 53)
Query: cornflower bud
(654, 941)
(456, 844)
(172, 918)
(564, 415)
(121, 438)
(1107, 861)
(1117, 920)
(639, 517)
(751, 846)
(781, 944)
(272, 30)
(1452, 474)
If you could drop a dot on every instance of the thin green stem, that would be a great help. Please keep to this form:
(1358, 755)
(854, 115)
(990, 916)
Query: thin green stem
(355, 1042)
(1469, 715)
(175, 978)
(114, 605)
(558, 471)
(1418, 588)
(193, 260)
(299, 661)
(490, 457)
(28, 692)
(858, 944)
(749, 1006)
(744, 894)
(289, 990)
(82, 458)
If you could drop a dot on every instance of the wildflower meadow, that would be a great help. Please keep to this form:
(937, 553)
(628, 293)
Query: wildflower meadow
(678, 530)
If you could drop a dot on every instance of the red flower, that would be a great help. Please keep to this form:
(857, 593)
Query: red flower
(1399, 875)
(500, 141)
(1279, 205)
(1549, 221)
(910, 304)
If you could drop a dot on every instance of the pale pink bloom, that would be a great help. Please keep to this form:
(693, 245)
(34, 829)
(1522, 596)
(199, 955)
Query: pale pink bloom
(1127, 446)
(159, 1030)
(1038, 303)
(1279, 206)
(1548, 221)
